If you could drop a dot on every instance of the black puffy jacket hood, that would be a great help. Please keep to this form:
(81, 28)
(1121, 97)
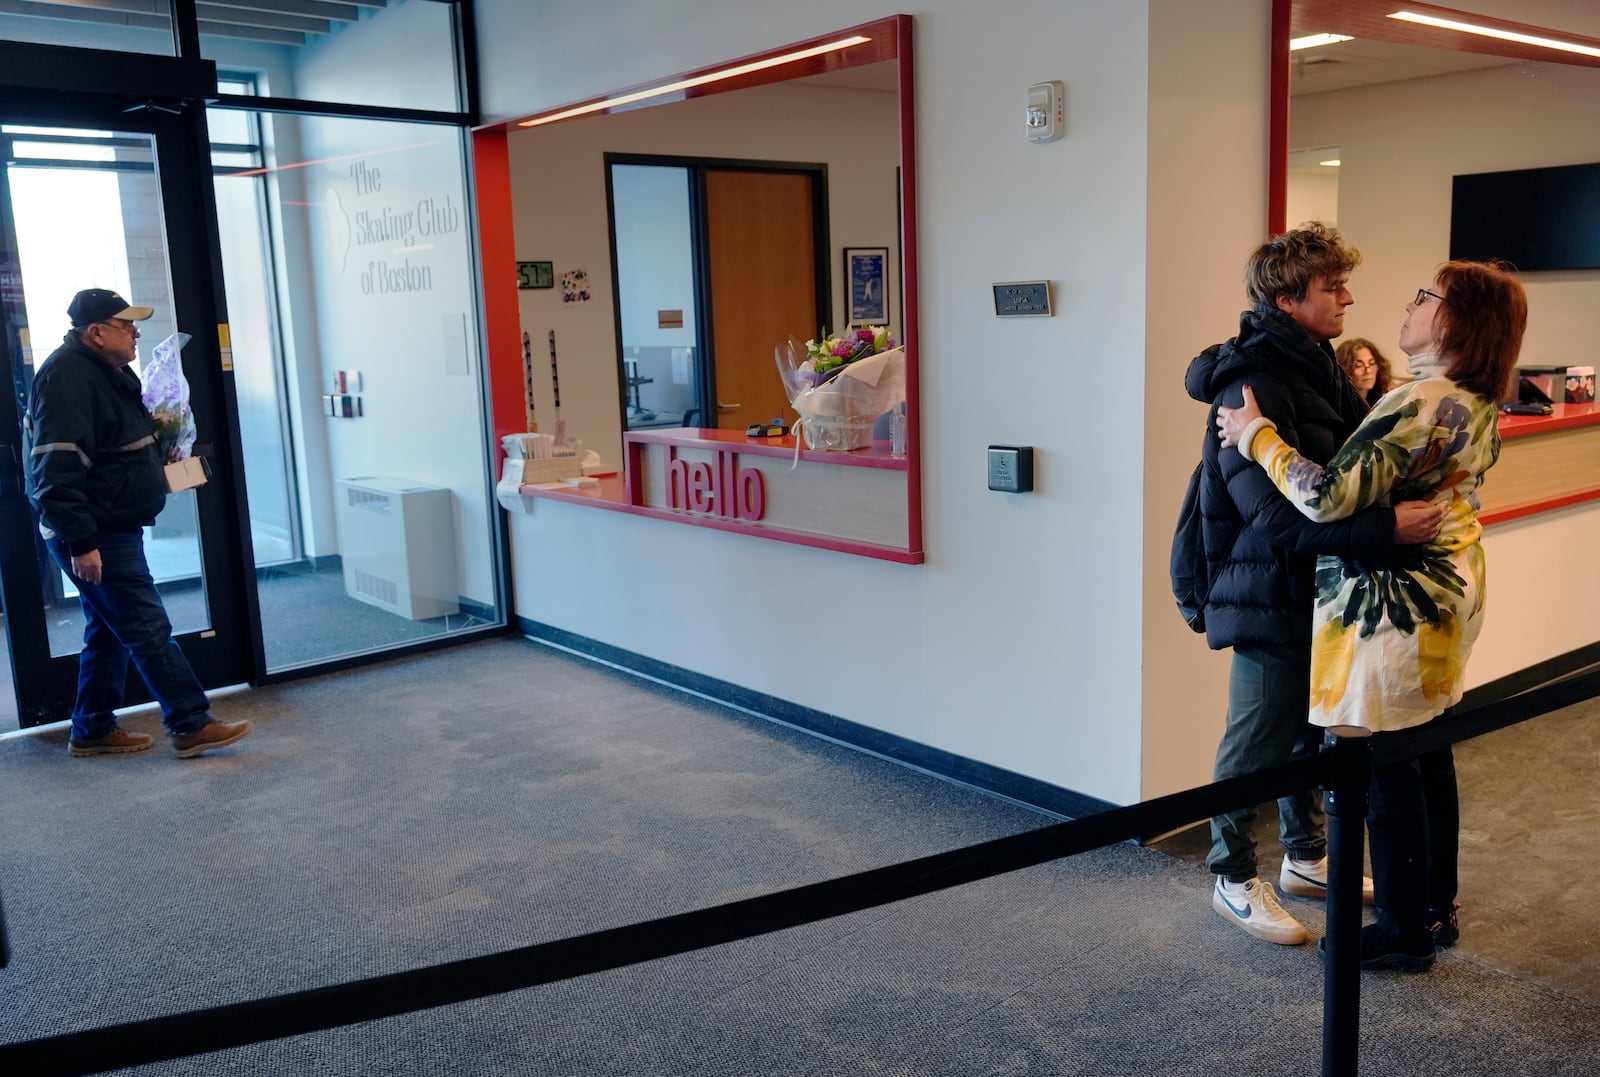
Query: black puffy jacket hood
(1262, 551)
(1273, 343)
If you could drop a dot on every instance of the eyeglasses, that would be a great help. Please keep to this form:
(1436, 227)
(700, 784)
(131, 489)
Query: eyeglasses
(1423, 295)
(1363, 364)
(118, 323)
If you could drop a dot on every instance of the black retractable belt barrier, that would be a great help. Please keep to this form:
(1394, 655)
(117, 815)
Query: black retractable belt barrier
(1465, 723)
(1349, 759)
(237, 1024)
(1350, 762)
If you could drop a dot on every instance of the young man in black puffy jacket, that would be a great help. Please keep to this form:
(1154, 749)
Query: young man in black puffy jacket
(1261, 598)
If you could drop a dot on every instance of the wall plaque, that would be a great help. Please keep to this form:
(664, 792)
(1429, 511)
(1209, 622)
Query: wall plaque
(1022, 298)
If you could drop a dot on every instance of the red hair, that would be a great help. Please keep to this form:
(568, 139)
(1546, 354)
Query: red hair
(1485, 312)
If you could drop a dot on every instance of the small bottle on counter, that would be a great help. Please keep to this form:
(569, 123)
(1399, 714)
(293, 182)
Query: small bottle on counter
(897, 431)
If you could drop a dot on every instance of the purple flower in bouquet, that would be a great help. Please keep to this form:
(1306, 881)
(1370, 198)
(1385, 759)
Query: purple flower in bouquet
(811, 373)
(840, 384)
(833, 354)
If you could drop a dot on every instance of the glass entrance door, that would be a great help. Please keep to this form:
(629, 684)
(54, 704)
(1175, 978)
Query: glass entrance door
(84, 204)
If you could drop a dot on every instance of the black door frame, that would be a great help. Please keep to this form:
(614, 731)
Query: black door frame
(223, 654)
(168, 94)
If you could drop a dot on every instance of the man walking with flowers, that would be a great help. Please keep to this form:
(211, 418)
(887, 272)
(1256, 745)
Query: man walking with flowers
(95, 478)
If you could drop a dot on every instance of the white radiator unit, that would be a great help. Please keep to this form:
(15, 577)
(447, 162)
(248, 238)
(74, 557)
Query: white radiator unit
(397, 542)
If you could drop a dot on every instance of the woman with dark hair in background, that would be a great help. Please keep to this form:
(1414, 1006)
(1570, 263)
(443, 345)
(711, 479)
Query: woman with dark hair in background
(1368, 370)
(1390, 641)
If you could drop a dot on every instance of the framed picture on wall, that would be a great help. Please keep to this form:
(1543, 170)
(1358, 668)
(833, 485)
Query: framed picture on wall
(866, 277)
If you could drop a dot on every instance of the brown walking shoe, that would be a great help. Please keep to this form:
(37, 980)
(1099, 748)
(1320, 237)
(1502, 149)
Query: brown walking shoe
(213, 734)
(115, 742)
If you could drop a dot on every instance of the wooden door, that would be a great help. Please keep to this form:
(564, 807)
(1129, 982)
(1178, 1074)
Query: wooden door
(761, 257)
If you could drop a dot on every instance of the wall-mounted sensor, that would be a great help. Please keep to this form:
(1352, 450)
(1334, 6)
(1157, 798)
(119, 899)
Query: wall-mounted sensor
(1047, 109)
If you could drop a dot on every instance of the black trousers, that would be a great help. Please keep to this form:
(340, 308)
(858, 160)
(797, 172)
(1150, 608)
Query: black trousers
(1414, 830)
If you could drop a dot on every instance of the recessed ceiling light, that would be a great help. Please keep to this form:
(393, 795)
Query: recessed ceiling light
(1487, 31)
(1329, 164)
(1311, 41)
(698, 80)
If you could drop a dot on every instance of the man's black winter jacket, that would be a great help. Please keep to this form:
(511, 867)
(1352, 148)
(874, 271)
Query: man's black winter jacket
(1261, 549)
(93, 460)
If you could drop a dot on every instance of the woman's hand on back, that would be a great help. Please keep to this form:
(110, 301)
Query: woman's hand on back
(1231, 422)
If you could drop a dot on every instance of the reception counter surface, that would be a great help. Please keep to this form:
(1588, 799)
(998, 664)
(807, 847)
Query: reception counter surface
(852, 502)
(1546, 462)
(857, 502)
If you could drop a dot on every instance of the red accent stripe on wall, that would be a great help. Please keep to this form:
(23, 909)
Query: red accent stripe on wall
(491, 164)
(1534, 508)
(1278, 121)
(908, 270)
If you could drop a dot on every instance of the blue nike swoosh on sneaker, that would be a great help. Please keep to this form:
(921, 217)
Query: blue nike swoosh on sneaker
(1243, 914)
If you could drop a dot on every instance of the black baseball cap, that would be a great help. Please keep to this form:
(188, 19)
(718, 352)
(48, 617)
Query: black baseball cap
(101, 305)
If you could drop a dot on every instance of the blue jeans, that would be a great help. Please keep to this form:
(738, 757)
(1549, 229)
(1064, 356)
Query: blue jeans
(124, 619)
(1269, 693)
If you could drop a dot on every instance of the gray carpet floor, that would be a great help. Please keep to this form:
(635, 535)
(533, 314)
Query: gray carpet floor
(498, 794)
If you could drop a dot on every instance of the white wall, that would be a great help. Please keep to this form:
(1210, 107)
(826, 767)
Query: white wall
(1312, 198)
(558, 183)
(1543, 592)
(1401, 143)
(1206, 204)
(1021, 642)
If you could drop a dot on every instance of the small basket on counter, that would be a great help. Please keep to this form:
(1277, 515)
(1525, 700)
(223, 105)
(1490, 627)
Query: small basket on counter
(547, 469)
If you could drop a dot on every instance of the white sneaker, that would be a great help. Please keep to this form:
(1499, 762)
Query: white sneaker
(1254, 907)
(1309, 879)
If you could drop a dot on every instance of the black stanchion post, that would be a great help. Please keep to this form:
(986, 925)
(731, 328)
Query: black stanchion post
(1349, 756)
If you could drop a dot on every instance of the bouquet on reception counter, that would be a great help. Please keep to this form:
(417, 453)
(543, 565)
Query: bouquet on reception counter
(840, 385)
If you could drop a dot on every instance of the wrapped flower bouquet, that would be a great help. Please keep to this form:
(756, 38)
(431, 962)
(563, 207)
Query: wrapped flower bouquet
(166, 394)
(840, 385)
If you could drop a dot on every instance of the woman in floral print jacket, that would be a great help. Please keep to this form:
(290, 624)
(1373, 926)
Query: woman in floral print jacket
(1391, 641)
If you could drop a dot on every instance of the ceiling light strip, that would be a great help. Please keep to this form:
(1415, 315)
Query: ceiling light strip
(1311, 41)
(698, 80)
(1503, 35)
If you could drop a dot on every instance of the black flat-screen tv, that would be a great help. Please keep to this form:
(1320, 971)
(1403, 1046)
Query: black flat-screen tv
(1535, 218)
